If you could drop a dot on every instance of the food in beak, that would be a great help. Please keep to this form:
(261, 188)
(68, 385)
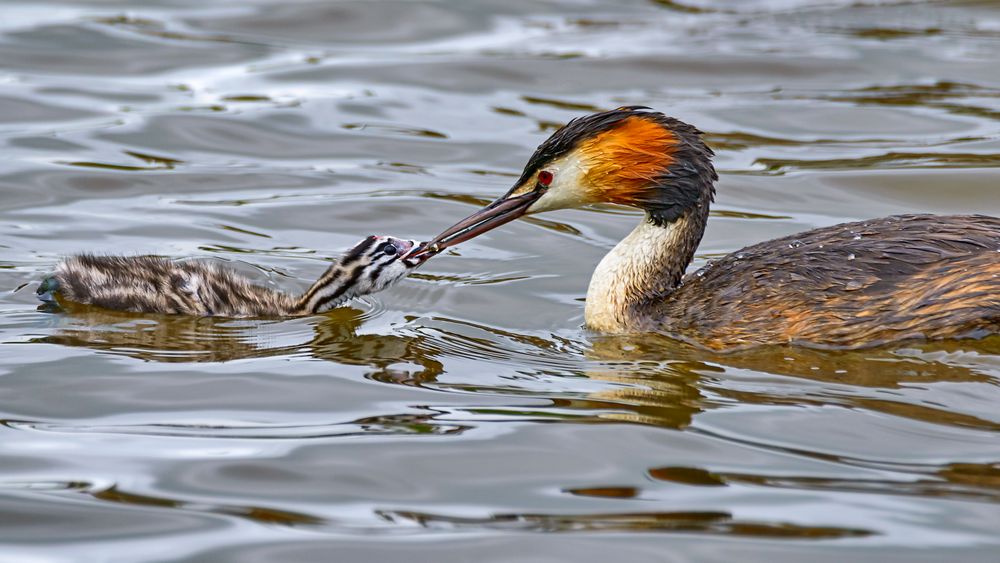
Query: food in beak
(404, 246)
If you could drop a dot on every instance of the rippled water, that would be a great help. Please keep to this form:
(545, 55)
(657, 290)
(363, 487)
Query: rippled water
(466, 414)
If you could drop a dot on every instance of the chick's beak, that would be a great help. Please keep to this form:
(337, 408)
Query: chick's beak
(412, 254)
(403, 246)
(500, 212)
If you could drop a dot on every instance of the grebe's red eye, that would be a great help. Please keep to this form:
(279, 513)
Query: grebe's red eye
(545, 178)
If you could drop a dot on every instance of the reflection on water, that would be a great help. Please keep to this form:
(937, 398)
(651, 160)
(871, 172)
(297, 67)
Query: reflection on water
(971, 481)
(683, 522)
(256, 513)
(649, 379)
(176, 338)
(465, 414)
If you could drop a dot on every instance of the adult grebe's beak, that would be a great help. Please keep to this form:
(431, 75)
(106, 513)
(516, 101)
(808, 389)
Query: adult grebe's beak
(500, 212)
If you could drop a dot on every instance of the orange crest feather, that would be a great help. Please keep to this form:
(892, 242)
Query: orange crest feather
(627, 159)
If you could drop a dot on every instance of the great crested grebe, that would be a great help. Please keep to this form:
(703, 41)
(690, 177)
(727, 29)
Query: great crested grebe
(845, 286)
(150, 284)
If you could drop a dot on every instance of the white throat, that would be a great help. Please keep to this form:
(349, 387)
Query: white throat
(646, 264)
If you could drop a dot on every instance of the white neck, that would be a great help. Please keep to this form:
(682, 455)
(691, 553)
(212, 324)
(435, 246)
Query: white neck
(645, 265)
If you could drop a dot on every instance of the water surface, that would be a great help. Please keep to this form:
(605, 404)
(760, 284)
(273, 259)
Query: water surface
(466, 414)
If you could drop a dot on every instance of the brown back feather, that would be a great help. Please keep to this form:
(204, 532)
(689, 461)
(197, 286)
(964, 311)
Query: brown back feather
(846, 286)
(150, 284)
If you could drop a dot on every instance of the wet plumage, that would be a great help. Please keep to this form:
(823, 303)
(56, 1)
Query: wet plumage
(151, 284)
(847, 286)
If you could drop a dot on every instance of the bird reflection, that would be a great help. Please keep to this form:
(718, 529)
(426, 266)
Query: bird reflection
(649, 379)
(690, 371)
(177, 338)
(887, 367)
(666, 396)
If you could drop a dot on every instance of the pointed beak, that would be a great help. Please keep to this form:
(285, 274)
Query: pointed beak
(500, 212)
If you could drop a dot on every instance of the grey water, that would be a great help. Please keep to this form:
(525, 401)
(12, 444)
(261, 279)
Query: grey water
(466, 414)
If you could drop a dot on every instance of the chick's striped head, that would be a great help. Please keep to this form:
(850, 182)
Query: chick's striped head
(372, 265)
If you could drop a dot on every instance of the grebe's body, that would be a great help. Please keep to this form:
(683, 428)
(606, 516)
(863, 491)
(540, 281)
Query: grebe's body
(846, 286)
(150, 284)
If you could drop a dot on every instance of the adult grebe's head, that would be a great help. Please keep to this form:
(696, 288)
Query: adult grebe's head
(629, 156)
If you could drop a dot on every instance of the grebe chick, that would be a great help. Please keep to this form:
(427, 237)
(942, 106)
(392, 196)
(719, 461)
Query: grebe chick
(846, 286)
(150, 284)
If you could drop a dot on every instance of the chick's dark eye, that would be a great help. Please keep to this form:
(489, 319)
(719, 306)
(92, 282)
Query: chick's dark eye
(388, 249)
(545, 178)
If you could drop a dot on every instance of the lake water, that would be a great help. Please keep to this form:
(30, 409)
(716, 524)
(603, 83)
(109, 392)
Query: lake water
(466, 415)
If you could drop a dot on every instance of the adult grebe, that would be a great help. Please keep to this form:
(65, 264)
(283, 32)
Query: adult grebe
(850, 285)
(150, 284)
